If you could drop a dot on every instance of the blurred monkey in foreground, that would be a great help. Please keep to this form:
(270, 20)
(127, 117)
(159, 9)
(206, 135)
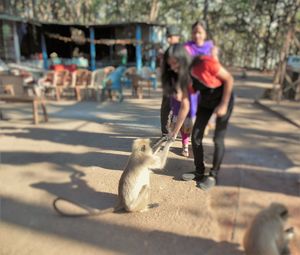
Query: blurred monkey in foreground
(134, 184)
(267, 235)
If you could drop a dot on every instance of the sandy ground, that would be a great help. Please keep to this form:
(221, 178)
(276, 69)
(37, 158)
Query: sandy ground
(81, 152)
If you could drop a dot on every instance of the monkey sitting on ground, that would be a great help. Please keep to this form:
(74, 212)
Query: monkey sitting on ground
(267, 235)
(134, 184)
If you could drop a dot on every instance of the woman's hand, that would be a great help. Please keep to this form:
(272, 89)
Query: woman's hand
(221, 110)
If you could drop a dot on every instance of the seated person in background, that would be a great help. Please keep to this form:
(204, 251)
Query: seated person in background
(55, 60)
(82, 61)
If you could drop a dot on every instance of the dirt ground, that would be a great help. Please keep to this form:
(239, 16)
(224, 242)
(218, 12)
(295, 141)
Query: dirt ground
(80, 155)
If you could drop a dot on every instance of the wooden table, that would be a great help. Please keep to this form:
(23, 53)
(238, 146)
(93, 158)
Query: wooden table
(12, 91)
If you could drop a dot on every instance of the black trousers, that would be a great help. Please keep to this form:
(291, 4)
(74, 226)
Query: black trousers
(203, 116)
(164, 114)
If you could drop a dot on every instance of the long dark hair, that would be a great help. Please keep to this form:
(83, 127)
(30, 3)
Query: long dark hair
(201, 23)
(171, 81)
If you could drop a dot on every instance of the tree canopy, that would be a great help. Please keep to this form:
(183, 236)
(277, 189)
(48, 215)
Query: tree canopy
(249, 33)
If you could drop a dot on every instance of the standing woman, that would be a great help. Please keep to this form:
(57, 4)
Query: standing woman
(215, 84)
(173, 37)
(199, 46)
(177, 85)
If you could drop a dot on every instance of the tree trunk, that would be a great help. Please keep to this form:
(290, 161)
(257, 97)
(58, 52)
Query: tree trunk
(280, 71)
(205, 16)
(281, 68)
(154, 11)
(268, 36)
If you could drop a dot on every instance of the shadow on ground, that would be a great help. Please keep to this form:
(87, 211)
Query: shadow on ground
(101, 234)
(76, 137)
(63, 160)
(78, 191)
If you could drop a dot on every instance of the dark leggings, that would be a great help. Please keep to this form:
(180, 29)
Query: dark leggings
(203, 116)
(164, 114)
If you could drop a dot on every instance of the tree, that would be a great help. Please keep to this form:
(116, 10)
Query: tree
(248, 33)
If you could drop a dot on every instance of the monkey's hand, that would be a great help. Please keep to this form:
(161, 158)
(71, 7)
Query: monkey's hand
(160, 157)
(171, 137)
(289, 233)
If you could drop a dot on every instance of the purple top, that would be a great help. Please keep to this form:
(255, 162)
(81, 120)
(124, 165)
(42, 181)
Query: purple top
(194, 100)
(194, 50)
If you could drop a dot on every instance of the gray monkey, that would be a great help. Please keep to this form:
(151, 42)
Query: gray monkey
(267, 235)
(134, 184)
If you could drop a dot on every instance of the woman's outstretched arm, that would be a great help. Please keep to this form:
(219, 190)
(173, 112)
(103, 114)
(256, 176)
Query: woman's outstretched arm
(182, 114)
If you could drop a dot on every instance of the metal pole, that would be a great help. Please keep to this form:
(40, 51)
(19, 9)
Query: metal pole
(138, 48)
(92, 49)
(152, 51)
(44, 51)
(16, 43)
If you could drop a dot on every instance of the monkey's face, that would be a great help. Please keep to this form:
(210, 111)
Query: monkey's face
(281, 210)
(142, 146)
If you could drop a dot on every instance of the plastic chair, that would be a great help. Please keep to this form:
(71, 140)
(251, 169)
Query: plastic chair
(62, 80)
(127, 76)
(150, 75)
(81, 80)
(98, 80)
(141, 79)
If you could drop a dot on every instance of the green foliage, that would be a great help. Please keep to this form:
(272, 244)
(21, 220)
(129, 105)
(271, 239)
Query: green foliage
(247, 32)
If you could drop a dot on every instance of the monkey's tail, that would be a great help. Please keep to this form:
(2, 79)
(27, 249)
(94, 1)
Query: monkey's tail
(88, 211)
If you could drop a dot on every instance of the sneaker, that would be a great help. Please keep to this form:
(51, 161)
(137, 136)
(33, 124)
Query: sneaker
(185, 151)
(207, 183)
(192, 176)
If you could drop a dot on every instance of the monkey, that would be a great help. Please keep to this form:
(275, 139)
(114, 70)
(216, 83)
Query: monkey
(266, 234)
(134, 183)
